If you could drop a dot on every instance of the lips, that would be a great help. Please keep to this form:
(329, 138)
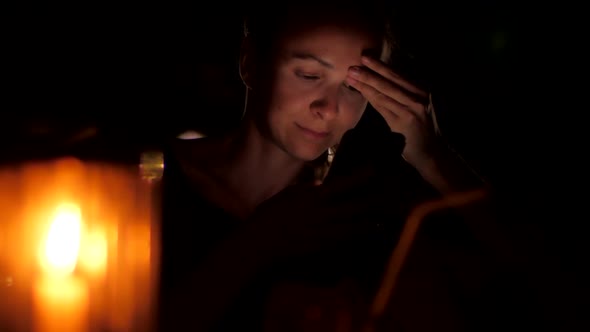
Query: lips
(313, 133)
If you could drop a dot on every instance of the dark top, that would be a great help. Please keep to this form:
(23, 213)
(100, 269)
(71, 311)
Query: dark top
(192, 226)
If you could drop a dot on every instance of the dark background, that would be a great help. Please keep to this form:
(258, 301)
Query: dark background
(140, 72)
(107, 80)
(110, 80)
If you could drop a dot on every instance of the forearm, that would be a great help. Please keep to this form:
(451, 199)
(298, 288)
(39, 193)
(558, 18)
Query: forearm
(448, 173)
(201, 304)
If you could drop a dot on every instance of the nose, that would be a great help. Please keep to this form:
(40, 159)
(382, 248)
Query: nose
(326, 105)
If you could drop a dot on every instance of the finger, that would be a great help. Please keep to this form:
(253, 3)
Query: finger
(390, 108)
(383, 85)
(383, 70)
(394, 95)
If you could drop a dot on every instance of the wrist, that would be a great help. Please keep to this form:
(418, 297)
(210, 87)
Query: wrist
(448, 172)
(429, 162)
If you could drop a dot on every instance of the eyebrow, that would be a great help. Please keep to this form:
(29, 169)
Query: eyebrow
(309, 56)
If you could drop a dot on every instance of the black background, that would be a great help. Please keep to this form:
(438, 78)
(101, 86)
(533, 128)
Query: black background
(140, 72)
(109, 80)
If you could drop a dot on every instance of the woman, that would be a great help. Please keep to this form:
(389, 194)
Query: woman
(241, 215)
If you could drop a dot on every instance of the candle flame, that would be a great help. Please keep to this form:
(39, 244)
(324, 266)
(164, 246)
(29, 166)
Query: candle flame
(60, 253)
(94, 251)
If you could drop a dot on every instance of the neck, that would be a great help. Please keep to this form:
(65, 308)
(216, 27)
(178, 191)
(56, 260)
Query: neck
(258, 168)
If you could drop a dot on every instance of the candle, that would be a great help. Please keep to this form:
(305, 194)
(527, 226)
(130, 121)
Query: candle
(61, 304)
(94, 253)
(79, 247)
(61, 298)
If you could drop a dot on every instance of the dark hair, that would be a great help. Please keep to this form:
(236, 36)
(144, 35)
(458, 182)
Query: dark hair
(263, 24)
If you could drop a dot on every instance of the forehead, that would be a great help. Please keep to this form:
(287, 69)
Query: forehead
(333, 40)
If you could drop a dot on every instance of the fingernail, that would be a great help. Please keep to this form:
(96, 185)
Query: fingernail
(365, 59)
(354, 71)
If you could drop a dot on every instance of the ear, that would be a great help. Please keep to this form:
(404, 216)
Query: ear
(247, 62)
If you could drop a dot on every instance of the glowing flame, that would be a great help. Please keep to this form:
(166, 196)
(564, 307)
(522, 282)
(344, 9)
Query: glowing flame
(93, 252)
(60, 252)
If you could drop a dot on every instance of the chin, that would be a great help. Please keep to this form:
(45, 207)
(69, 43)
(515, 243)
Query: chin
(307, 154)
(303, 150)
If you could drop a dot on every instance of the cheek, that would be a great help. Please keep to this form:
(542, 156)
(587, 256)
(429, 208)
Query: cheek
(283, 106)
(285, 93)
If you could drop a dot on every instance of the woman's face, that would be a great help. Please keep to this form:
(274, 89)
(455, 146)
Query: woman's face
(310, 106)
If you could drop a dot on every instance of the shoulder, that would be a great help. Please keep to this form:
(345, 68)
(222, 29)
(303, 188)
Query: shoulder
(194, 157)
(195, 164)
(197, 170)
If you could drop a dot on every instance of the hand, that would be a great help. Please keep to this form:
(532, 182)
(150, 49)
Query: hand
(303, 219)
(402, 105)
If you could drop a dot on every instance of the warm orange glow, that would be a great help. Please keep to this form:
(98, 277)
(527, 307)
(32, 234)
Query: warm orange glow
(61, 304)
(79, 247)
(93, 252)
(59, 253)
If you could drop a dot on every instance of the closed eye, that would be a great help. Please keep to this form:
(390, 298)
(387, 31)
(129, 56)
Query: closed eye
(307, 77)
